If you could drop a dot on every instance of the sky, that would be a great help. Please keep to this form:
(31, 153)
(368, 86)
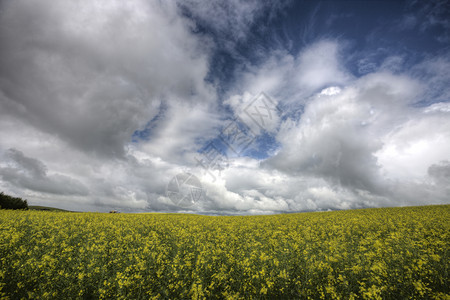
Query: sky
(225, 107)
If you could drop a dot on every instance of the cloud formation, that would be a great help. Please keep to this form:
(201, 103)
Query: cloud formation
(30, 173)
(93, 72)
(102, 104)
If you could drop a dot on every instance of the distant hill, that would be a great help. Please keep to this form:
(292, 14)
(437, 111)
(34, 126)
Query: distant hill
(47, 208)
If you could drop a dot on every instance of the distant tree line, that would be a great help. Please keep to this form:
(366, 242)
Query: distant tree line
(9, 202)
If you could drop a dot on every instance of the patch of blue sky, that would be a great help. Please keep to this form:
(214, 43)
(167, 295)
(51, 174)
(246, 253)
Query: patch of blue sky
(146, 133)
(241, 142)
(264, 146)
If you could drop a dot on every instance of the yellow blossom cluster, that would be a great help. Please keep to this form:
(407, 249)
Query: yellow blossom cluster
(389, 253)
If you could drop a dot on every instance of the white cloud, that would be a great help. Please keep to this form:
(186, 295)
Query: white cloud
(292, 79)
(77, 79)
(333, 90)
(367, 138)
(232, 21)
(332, 139)
(412, 148)
(319, 65)
(93, 71)
(30, 173)
(183, 129)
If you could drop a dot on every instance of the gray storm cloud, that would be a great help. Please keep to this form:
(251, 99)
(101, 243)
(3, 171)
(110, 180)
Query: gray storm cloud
(94, 72)
(30, 173)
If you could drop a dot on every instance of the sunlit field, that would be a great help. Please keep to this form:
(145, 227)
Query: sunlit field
(392, 253)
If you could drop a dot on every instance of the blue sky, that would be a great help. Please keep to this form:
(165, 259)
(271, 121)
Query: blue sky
(275, 106)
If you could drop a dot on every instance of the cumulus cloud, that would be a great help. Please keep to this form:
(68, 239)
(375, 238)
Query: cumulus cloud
(331, 140)
(357, 144)
(78, 79)
(440, 171)
(93, 72)
(30, 173)
(182, 129)
(337, 154)
(367, 138)
(102, 104)
(292, 78)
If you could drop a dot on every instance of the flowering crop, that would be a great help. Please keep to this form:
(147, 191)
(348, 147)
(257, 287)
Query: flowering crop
(389, 253)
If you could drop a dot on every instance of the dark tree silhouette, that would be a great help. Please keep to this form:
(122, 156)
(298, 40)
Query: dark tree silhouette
(9, 202)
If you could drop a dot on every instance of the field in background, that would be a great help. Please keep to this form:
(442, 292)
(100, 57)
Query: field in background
(391, 253)
(46, 208)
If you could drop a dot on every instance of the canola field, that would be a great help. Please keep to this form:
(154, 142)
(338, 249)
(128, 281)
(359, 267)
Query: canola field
(391, 253)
